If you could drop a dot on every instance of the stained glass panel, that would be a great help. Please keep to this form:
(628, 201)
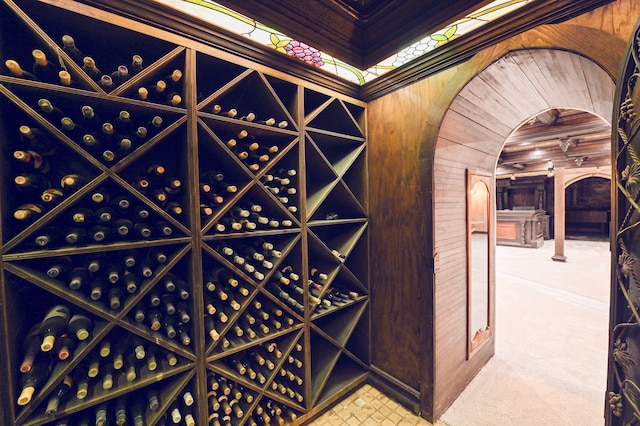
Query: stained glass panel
(230, 20)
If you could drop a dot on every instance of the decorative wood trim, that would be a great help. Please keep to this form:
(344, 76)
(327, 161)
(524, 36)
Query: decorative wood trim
(449, 55)
(463, 48)
(395, 389)
(478, 338)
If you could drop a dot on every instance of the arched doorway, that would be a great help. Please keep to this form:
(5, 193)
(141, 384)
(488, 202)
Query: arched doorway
(487, 109)
(588, 208)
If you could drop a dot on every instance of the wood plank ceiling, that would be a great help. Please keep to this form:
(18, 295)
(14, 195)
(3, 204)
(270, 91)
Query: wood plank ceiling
(569, 138)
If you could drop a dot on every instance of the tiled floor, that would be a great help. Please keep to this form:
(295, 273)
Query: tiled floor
(368, 406)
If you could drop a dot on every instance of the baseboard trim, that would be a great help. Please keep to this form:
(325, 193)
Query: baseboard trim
(395, 389)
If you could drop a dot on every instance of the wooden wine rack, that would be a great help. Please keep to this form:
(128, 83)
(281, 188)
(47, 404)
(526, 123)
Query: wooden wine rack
(322, 353)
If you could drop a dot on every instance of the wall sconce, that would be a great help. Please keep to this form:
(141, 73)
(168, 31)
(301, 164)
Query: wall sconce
(550, 168)
(513, 176)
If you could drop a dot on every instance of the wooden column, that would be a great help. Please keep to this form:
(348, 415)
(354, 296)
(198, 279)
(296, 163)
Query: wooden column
(558, 214)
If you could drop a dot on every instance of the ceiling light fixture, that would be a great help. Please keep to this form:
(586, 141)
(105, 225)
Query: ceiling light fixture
(565, 143)
(579, 161)
(550, 168)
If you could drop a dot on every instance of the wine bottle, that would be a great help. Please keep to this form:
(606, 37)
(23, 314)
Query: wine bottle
(71, 128)
(101, 417)
(210, 328)
(30, 349)
(157, 92)
(220, 314)
(183, 312)
(224, 187)
(63, 346)
(46, 237)
(317, 275)
(122, 124)
(222, 275)
(80, 326)
(131, 367)
(206, 211)
(81, 380)
(100, 197)
(145, 268)
(43, 69)
(37, 140)
(99, 233)
(156, 171)
(130, 282)
(173, 99)
(51, 113)
(123, 227)
(153, 401)
(51, 196)
(173, 80)
(34, 378)
(106, 82)
(159, 196)
(64, 78)
(71, 182)
(261, 220)
(172, 185)
(16, 70)
(150, 357)
(90, 68)
(75, 236)
(31, 182)
(183, 334)
(136, 64)
(288, 272)
(173, 208)
(168, 303)
(32, 161)
(115, 298)
(231, 113)
(120, 75)
(141, 212)
(142, 93)
(154, 318)
(69, 47)
(97, 289)
(168, 324)
(53, 324)
(139, 314)
(175, 413)
(61, 265)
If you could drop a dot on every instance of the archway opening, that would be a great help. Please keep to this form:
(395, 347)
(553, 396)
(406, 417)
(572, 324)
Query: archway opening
(511, 94)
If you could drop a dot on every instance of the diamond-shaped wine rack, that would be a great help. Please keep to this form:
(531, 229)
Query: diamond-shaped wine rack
(175, 213)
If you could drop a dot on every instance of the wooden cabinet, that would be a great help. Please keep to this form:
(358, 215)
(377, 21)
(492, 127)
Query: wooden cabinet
(521, 228)
(188, 265)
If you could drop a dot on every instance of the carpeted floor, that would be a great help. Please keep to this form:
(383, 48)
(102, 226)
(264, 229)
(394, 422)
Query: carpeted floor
(551, 348)
(551, 341)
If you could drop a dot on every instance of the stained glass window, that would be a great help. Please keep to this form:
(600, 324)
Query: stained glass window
(237, 23)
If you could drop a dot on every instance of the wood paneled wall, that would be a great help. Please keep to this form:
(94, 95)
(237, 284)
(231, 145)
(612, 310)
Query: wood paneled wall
(421, 139)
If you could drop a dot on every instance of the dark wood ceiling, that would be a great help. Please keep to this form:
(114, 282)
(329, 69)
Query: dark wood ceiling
(536, 142)
(362, 33)
(359, 32)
